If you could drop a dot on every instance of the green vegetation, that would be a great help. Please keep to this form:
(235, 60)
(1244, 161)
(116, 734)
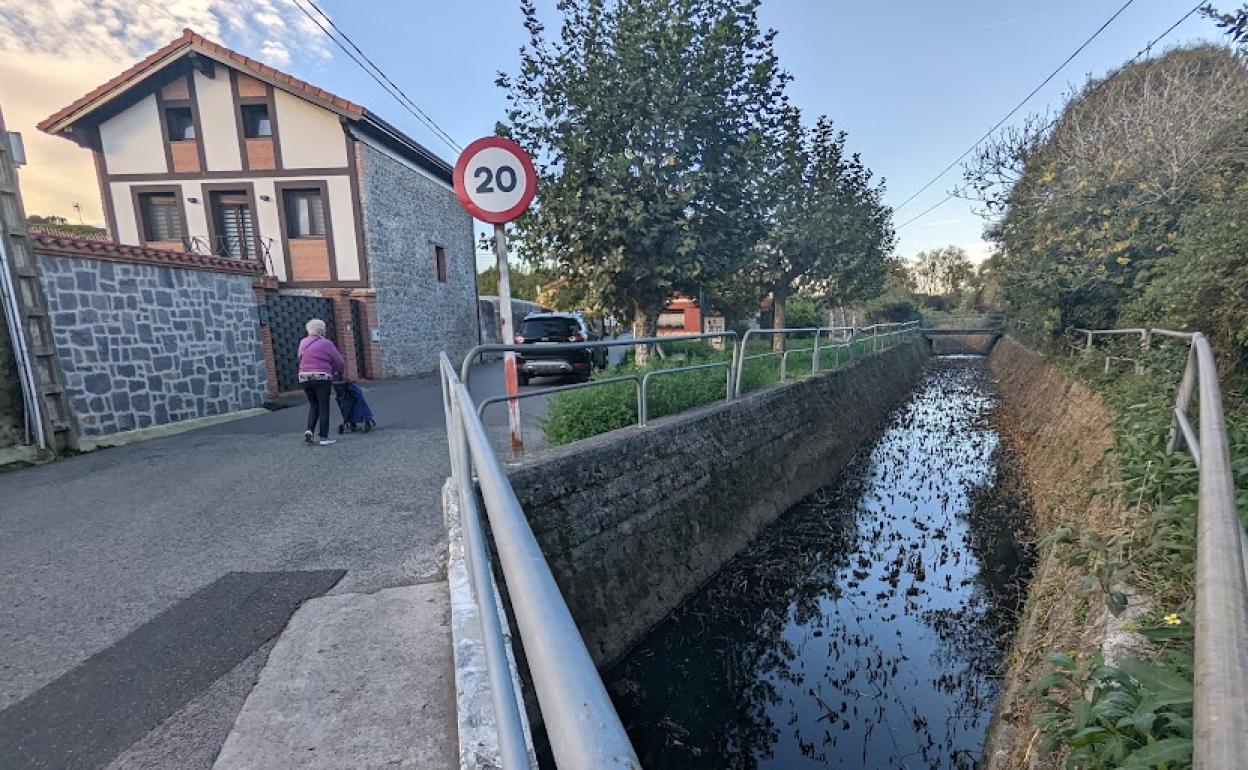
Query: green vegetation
(1127, 209)
(671, 160)
(577, 414)
(1138, 713)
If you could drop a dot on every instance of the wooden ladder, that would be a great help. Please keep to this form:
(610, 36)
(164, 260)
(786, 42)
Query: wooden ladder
(39, 371)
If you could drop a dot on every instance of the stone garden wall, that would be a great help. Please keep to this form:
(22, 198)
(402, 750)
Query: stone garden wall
(147, 337)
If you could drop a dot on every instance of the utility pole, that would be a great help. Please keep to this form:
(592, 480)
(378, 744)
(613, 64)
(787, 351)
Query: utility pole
(507, 332)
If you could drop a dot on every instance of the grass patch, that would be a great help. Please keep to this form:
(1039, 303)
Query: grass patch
(579, 414)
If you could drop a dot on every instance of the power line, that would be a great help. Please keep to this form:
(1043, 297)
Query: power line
(430, 121)
(942, 202)
(1052, 123)
(1018, 106)
(376, 73)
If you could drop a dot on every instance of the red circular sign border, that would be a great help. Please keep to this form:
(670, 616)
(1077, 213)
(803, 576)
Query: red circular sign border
(530, 176)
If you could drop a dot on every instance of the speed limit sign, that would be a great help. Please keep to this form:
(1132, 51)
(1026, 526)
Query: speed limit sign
(495, 179)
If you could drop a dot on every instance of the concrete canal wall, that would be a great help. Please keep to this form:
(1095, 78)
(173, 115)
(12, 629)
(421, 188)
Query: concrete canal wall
(633, 522)
(1062, 434)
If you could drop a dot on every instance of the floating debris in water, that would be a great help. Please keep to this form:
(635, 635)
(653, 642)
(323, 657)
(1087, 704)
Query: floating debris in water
(866, 627)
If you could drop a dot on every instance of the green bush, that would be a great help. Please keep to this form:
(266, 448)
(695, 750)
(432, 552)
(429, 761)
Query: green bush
(577, 414)
(1138, 714)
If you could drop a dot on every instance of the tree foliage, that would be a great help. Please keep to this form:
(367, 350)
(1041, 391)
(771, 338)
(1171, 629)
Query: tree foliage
(648, 122)
(830, 236)
(945, 271)
(1123, 209)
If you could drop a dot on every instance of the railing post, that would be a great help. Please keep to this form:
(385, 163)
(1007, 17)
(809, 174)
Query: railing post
(1183, 397)
(784, 363)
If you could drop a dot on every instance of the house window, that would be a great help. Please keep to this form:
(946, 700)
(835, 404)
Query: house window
(439, 259)
(305, 213)
(179, 123)
(162, 217)
(256, 123)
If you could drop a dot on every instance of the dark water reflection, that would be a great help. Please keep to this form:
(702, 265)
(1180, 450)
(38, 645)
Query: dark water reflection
(865, 628)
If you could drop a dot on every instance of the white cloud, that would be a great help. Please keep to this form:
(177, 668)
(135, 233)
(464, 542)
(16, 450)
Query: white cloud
(54, 51)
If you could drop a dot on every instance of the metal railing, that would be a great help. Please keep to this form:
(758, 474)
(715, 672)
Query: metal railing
(642, 383)
(1220, 734)
(585, 730)
(876, 337)
(849, 336)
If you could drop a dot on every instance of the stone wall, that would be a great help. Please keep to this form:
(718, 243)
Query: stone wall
(1062, 433)
(406, 215)
(147, 344)
(633, 522)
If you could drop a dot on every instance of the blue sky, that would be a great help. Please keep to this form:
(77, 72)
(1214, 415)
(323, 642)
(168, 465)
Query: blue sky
(914, 83)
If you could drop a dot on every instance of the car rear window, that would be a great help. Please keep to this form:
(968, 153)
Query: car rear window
(549, 328)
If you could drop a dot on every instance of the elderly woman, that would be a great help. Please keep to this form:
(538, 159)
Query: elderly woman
(319, 363)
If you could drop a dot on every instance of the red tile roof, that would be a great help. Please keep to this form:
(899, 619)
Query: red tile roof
(191, 41)
(64, 246)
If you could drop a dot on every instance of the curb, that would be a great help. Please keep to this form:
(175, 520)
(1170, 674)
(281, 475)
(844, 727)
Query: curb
(478, 733)
(90, 444)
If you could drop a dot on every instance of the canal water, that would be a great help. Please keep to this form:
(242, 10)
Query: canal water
(866, 627)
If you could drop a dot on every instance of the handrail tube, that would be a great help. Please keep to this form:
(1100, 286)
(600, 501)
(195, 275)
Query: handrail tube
(742, 358)
(643, 401)
(465, 369)
(784, 360)
(559, 389)
(899, 327)
(584, 729)
(513, 749)
(1220, 724)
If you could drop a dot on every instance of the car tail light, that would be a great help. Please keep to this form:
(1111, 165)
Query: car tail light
(576, 338)
(518, 339)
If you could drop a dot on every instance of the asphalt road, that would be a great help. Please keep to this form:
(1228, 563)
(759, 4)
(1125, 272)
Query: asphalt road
(94, 548)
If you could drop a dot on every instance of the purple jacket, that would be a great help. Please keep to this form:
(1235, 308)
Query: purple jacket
(317, 354)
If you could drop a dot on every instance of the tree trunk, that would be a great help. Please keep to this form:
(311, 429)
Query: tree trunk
(645, 324)
(779, 298)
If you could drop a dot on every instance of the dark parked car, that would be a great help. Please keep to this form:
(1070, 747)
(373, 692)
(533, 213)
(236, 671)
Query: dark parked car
(540, 329)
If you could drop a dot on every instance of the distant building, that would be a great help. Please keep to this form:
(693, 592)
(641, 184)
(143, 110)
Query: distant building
(200, 149)
(681, 316)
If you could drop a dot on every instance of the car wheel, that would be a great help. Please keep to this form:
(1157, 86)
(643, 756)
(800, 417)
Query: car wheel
(522, 379)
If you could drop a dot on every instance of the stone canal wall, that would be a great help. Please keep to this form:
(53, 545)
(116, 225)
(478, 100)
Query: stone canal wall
(1062, 434)
(633, 522)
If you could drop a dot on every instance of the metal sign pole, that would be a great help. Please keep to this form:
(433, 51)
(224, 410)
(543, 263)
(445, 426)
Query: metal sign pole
(507, 332)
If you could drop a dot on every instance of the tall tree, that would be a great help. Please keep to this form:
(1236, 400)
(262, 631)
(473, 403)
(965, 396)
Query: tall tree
(944, 271)
(830, 233)
(648, 122)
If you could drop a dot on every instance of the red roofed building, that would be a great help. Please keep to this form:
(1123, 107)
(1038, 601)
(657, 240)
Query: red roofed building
(201, 149)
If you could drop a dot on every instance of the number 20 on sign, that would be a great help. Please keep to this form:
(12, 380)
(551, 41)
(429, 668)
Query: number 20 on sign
(495, 181)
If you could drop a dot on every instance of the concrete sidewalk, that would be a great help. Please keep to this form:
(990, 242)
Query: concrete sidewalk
(95, 550)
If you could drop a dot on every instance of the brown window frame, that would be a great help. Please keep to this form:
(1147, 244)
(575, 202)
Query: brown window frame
(189, 124)
(248, 108)
(288, 194)
(142, 206)
(440, 264)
